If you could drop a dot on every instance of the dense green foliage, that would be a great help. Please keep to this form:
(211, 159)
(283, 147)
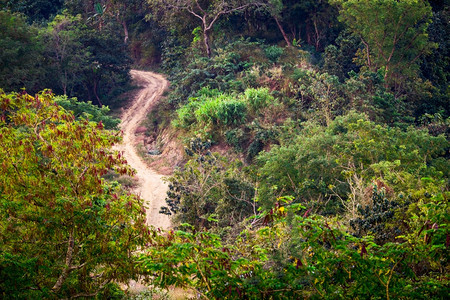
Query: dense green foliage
(35, 10)
(209, 187)
(331, 117)
(20, 55)
(294, 255)
(358, 139)
(65, 231)
(66, 55)
(393, 33)
(327, 165)
(88, 64)
(88, 111)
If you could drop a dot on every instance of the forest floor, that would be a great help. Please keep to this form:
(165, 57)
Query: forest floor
(151, 188)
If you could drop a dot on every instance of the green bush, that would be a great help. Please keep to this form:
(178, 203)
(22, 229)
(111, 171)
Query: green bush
(330, 166)
(207, 92)
(206, 113)
(236, 137)
(186, 114)
(258, 98)
(298, 255)
(88, 111)
(218, 73)
(273, 53)
(253, 149)
(210, 188)
(231, 112)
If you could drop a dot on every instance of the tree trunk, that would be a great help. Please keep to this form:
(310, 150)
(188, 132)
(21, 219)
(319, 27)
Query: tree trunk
(96, 95)
(66, 270)
(64, 83)
(369, 61)
(317, 35)
(206, 40)
(289, 44)
(125, 31)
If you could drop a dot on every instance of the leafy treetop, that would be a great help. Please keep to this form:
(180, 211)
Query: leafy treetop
(64, 231)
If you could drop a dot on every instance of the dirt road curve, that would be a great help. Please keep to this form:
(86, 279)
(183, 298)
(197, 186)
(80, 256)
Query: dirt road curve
(151, 187)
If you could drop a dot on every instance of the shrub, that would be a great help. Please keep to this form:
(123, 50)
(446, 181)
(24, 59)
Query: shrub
(231, 112)
(206, 113)
(257, 98)
(222, 110)
(273, 53)
(322, 165)
(186, 114)
(209, 189)
(255, 147)
(237, 138)
(207, 92)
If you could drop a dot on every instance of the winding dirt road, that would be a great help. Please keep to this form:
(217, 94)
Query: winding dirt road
(151, 188)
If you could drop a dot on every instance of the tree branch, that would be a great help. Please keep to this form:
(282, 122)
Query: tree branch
(67, 268)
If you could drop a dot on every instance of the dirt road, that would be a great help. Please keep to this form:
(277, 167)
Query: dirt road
(151, 188)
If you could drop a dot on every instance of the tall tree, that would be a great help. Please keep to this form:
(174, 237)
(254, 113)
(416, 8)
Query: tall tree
(85, 62)
(394, 33)
(320, 22)
(436, 66)
(35, 10)
(208, 12)
(65, 232)
(103, 11)
(66, 54)
(20, 54)
(275, 9)
(108, 73)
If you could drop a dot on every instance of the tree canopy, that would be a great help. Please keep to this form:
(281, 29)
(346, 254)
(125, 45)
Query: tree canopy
(65, 232)
(394, 33)
(207, 13)
(21, 53)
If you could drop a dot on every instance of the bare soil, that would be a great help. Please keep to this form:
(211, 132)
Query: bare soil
(151, 187)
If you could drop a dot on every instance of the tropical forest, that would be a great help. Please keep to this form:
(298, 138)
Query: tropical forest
(224, 149)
